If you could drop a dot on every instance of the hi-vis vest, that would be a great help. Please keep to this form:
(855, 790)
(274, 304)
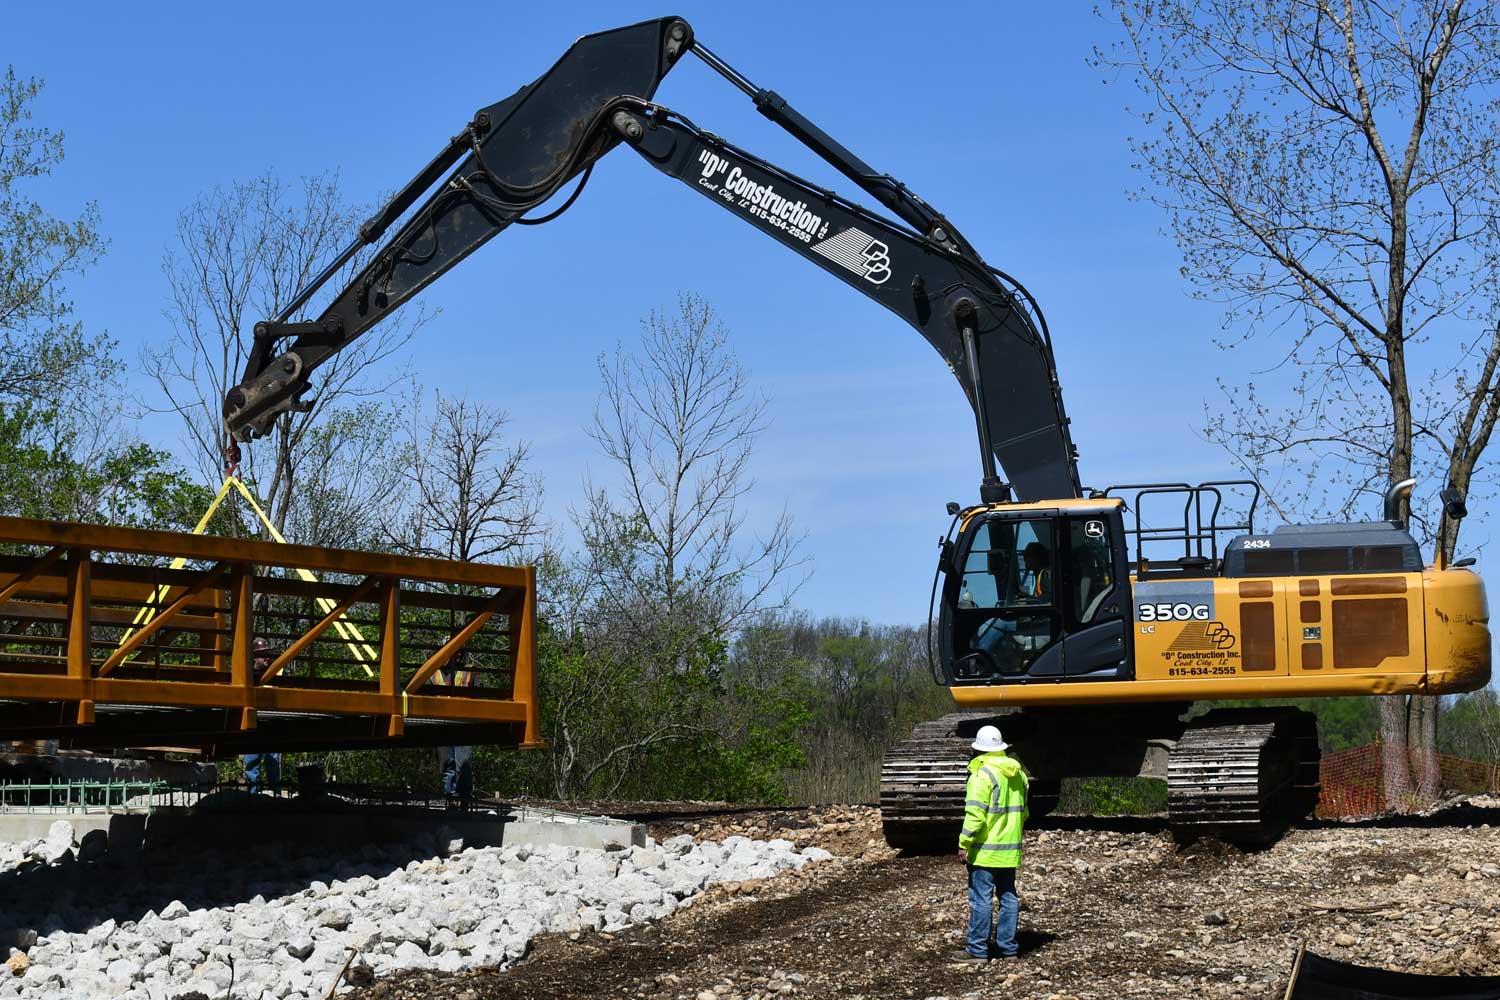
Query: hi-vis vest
(1041, 584)
(994, 811)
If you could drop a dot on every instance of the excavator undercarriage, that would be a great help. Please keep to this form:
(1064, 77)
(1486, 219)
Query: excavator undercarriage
(1241, 775)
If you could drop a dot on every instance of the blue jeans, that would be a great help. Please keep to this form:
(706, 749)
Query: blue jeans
(984, 884)
(260, 766)
(458, 771)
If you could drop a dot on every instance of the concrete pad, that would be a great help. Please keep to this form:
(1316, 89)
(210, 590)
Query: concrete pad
(530, 825)
(124, 832)
(16, 827)
(243, 817)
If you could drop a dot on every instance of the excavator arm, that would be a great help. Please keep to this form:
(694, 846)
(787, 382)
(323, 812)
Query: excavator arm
(518, 153)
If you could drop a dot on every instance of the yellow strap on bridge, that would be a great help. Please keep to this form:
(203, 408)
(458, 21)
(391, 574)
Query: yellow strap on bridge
(364, 653)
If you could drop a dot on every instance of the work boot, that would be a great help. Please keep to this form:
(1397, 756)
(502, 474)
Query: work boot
(962, 955)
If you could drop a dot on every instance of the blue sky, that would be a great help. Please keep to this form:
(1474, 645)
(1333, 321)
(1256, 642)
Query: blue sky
(989, 111)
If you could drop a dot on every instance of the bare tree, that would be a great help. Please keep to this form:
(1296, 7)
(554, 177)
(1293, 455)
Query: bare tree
(1329, 171)
(603, 711)
(667, 571)
(678, 421)
(469, 496)
(350, 476)
(242, 252)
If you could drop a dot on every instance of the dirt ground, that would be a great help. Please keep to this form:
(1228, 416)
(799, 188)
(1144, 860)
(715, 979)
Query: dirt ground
(1108, 910)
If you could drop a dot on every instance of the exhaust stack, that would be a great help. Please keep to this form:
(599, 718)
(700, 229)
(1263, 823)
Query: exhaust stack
(1393, 497)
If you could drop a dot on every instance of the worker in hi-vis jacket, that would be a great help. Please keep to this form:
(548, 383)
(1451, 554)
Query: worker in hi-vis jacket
(990, 845)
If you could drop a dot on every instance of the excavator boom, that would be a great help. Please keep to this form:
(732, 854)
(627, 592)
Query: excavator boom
(517, 154)
(935, 289)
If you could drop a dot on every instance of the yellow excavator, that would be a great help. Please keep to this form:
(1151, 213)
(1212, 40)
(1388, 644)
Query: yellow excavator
(1057, 613)
(1089, 617)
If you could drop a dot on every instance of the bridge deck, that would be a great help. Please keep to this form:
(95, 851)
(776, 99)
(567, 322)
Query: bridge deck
(103, 643)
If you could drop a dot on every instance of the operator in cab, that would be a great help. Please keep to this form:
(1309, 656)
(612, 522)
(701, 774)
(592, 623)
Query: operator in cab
(990, 846)
(1036, 581)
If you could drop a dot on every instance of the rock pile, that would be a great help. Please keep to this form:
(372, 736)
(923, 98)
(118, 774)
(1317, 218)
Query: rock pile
(49, 849)
(274, 922)
(848, 831)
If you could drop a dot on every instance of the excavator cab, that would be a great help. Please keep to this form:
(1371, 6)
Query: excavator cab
(1037, 592)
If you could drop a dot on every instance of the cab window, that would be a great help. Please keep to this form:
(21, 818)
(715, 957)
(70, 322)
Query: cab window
(1009, 563)
(1004, 617)
(1091, 568)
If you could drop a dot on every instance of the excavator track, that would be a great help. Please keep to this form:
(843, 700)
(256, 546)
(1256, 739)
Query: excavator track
(922, 781)
(1243, 775)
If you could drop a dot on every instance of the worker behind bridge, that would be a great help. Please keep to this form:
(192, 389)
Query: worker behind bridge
(990, 845)
(262, 769)
(456, 763)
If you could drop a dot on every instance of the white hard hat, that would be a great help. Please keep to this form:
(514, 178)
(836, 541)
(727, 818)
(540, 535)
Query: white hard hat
(988, 739)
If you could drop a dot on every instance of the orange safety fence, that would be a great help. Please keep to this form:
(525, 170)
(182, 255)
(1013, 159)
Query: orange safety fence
(1353, 785)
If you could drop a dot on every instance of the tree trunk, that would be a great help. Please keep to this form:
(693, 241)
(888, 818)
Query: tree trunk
(1395, 771)
(1421, 730)
(1447, 540)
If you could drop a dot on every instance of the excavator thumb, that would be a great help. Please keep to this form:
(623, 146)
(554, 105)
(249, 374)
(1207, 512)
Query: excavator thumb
(515, 155)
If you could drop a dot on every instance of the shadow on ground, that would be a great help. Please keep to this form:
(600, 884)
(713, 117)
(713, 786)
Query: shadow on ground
(232, 857)
(1462, 814)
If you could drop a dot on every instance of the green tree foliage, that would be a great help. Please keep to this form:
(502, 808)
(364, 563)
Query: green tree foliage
(42, 347)
(793, 710)
(1112, 796)
(1342, 722)
(643, 611)
(861, 688)
(648, 708)
(45, 473)
(67, 450)
(1471, 727)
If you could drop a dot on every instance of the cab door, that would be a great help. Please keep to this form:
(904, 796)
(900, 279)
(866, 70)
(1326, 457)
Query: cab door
(1005, 620)
(1095, 598)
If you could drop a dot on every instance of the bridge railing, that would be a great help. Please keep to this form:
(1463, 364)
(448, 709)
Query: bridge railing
(122, 637)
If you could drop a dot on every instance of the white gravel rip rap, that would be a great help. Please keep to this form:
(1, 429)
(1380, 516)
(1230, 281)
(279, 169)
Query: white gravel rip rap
(273, 922)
